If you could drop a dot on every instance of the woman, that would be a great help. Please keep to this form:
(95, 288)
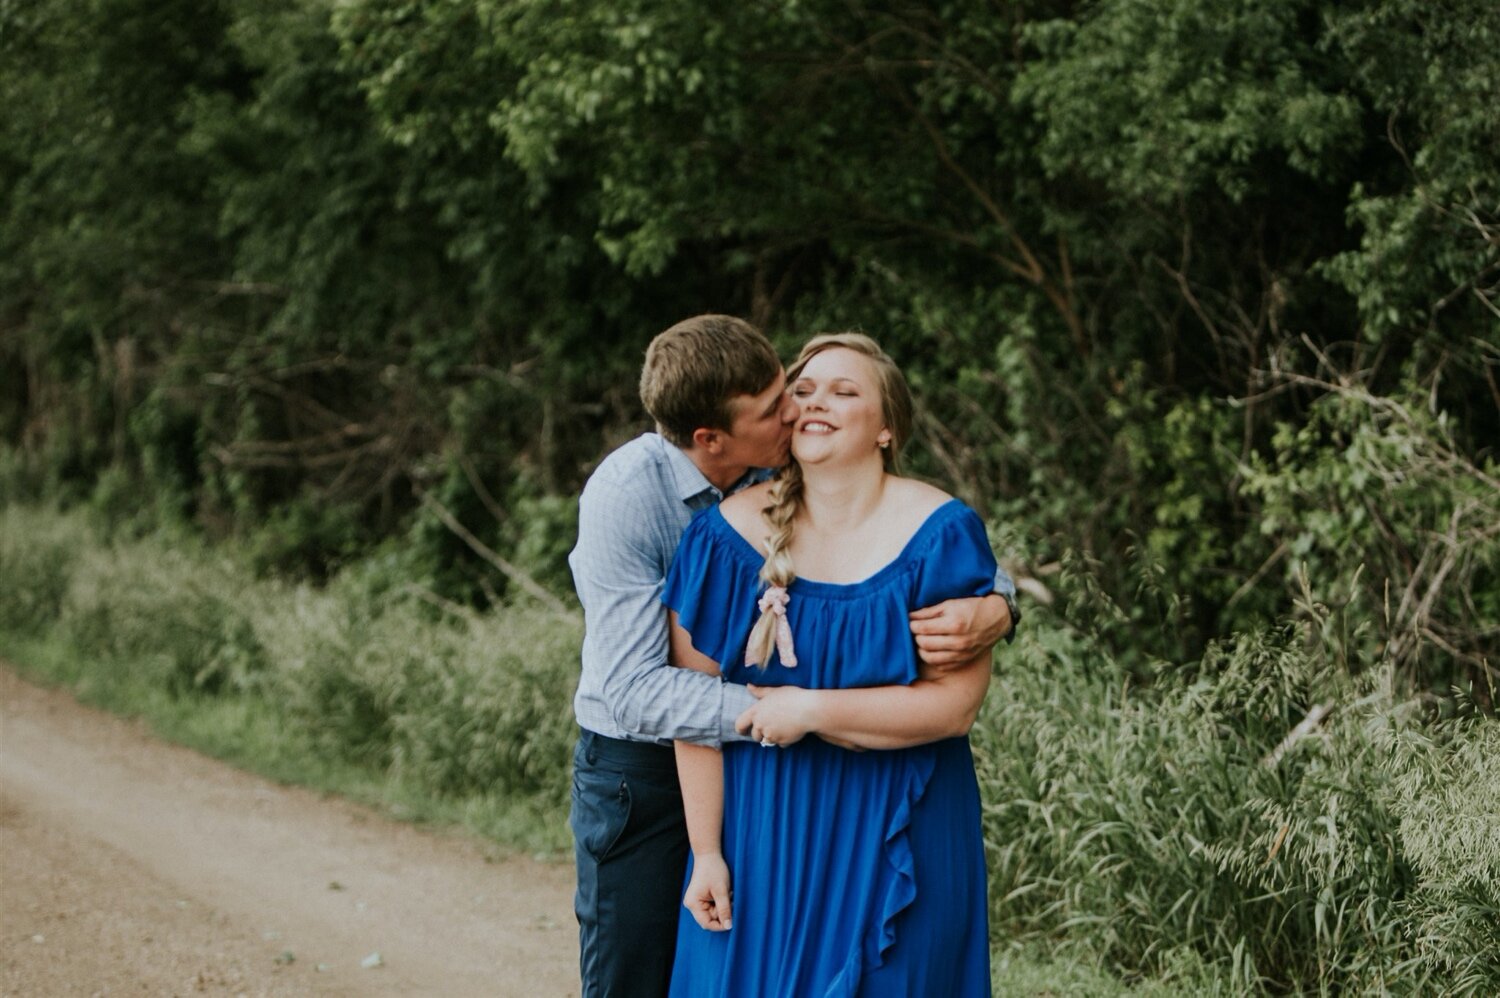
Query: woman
(854, 872)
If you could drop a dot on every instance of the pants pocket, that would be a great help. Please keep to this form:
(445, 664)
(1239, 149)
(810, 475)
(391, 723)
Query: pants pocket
(601, 810)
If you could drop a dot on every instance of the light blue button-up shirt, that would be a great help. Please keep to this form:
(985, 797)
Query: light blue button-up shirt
(631, 517)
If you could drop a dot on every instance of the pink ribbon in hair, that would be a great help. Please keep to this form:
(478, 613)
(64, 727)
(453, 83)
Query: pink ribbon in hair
(774, 601)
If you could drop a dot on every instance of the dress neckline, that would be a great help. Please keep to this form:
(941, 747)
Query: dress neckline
(840, 590)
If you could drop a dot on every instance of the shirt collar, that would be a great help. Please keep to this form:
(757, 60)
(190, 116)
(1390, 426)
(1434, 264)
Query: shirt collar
(691, 483)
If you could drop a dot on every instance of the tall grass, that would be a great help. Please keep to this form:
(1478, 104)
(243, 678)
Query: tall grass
(1149, 830)
(1172, 828)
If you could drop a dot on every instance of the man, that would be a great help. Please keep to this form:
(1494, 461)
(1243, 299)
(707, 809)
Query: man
(716, 390)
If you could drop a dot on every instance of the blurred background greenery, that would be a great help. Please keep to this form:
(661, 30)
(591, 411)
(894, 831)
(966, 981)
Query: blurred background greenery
(314, 317)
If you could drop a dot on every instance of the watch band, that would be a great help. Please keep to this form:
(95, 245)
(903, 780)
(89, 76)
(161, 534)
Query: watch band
(1015, 614)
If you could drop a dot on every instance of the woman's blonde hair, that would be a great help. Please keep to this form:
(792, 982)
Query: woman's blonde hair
(786, 491)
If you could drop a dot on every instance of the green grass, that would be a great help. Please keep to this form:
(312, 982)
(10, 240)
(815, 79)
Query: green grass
(1030, 971)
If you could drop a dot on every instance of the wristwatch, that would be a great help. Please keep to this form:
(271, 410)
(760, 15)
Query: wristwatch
(1015, 614)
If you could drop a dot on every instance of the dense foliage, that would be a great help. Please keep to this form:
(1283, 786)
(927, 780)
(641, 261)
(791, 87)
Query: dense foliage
(290, 266)
(1201, 301)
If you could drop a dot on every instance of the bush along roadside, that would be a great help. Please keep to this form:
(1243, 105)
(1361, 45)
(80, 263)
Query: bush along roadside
(430, 711)
(1295, 828)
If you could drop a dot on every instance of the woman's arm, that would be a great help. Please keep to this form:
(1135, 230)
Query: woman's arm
(700, 770)
(878, 717)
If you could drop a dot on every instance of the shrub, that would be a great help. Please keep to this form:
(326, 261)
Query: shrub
(189, 614)
(475, 705)
(37, 550)
(1149, 824)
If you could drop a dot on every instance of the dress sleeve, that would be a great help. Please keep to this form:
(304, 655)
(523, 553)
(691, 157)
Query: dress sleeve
(713, 591)
(957, 560)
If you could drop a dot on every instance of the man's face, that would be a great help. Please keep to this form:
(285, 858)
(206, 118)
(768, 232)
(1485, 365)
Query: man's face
(761, 431)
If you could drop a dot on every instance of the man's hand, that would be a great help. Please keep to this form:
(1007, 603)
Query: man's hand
(957, 631)
(785, 715)
(708, 894)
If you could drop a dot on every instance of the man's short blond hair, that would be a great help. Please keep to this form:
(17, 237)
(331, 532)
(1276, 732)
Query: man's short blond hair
(695, 370)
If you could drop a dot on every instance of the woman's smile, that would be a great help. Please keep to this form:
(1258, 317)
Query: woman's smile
(843, 385)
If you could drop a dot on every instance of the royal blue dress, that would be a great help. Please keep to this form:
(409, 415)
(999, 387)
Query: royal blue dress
(854, 873)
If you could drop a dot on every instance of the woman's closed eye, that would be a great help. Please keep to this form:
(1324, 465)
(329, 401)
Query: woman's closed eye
(802, 391)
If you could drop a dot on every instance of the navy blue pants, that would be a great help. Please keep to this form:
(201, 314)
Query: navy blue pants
(630, 843)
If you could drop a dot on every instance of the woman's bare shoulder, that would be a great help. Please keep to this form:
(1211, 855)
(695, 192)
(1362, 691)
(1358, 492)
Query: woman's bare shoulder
(742, 512)
(916, 499)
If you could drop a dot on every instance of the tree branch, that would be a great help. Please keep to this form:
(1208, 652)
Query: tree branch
(509, 569)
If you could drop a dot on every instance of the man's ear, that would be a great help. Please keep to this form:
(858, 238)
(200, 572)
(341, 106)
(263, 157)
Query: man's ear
(710, 441)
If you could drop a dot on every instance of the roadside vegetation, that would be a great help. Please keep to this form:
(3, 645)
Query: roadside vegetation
(1183, 831)
(351, 687)
(314, 316)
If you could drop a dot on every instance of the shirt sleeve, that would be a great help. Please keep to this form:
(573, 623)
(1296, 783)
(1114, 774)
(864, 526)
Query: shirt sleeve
(620, 574)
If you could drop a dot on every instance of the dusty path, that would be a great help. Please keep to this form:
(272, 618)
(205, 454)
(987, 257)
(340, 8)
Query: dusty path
(130, 867)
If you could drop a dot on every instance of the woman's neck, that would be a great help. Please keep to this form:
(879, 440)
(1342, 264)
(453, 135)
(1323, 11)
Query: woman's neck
(834, 499)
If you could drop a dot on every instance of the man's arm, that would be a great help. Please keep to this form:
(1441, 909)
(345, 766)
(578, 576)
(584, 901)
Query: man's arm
(619, 568)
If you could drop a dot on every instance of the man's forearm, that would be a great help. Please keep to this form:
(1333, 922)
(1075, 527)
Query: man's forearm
(665, 703)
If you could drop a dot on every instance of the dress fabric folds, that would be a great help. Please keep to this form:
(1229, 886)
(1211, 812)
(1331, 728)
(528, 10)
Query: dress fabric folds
(854, 873)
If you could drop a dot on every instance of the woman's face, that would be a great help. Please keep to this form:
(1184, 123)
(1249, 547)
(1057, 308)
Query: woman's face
(838, 392)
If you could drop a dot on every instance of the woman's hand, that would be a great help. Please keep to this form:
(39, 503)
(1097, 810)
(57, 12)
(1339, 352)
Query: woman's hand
(784, 715)
(708, 894)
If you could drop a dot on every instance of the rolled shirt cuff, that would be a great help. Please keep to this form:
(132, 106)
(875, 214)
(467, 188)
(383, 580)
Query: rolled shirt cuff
(737, 700)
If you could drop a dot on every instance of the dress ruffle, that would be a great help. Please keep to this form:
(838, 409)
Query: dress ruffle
(899, 889)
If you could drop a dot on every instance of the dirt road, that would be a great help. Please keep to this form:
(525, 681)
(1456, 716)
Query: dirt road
(130, 867)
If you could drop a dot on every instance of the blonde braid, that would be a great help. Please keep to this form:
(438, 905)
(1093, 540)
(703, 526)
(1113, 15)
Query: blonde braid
(781, 514)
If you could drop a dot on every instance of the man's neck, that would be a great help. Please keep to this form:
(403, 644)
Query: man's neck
(720, 476)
